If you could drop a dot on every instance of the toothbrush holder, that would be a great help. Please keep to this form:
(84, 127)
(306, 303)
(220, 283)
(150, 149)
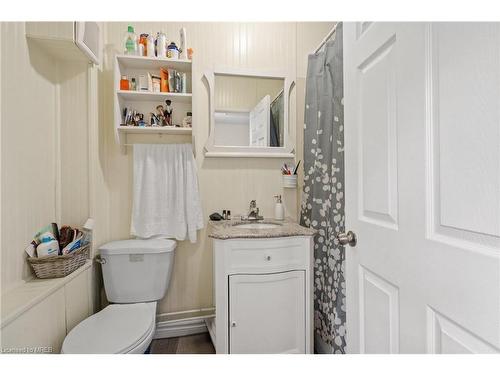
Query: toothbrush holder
(290, 181)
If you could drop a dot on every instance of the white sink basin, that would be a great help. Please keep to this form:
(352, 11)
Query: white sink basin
(258, 225)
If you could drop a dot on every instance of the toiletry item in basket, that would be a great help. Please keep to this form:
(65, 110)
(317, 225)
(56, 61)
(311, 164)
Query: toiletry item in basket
(72, 246)
(66, 236)
(48, 247)
(279, 211)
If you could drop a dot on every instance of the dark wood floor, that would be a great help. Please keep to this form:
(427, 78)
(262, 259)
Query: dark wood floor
(194, 344)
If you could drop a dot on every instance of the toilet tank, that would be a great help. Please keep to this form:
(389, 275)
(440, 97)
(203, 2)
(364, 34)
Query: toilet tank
(137, 270)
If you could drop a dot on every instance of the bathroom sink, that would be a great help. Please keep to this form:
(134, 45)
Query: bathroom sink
(257, 225)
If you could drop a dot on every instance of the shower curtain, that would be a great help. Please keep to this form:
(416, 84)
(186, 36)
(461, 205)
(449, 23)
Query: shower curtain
(323, 194)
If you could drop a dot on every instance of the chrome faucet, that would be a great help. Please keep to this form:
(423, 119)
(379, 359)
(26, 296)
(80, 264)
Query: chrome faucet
(253, 212)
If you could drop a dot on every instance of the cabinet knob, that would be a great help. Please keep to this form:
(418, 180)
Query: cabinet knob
(233, 324)
(268, 257)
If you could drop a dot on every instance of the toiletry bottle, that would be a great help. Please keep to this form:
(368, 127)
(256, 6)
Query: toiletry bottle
(161, 45)
(183, 43)
(279, 210)
(133, 85)
(224, 214)
(130, 42)
(172, 51)
(228, 215)
(150, 45)
(124, 83)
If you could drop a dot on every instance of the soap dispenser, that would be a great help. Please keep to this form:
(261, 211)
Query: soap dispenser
(279, 210)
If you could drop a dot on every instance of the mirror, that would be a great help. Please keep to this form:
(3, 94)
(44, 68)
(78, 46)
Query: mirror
(249, 115)
(248, 111)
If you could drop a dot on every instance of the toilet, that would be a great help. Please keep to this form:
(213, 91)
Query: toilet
(136, 275)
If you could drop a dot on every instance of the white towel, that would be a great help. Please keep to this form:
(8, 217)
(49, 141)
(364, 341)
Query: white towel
(166, 198)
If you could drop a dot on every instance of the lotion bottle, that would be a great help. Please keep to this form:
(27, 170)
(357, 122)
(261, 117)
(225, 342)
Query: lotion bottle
(279, 210)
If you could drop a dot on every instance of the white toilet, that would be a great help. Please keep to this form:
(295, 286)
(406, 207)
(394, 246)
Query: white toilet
(136, 274)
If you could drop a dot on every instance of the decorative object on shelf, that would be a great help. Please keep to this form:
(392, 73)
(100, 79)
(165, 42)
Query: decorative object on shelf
(190, 53)
(168, 112)
(187, 121)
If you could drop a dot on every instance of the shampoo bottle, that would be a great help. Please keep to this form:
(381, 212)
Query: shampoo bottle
(279, 210)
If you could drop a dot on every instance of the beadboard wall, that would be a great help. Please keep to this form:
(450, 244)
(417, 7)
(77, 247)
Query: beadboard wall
(224, 183)
(45, 137)
(28, 148)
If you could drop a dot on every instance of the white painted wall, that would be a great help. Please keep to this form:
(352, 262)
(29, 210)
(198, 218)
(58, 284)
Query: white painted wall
(45, 139)
(28, 150)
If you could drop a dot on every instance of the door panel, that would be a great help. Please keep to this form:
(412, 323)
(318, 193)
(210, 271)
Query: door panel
(377, 136)
(422, 135)
(380, 327)
(267, 313)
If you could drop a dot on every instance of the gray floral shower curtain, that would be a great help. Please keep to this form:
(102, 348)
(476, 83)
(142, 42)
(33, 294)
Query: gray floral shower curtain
(323, 194)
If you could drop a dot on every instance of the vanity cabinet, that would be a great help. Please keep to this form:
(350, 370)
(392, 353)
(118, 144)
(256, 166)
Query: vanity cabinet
(263, 295)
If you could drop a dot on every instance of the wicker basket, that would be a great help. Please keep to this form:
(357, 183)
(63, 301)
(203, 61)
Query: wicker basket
(59, 266)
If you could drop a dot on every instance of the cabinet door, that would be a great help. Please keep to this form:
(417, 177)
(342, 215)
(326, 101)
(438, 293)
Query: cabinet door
(267, 313)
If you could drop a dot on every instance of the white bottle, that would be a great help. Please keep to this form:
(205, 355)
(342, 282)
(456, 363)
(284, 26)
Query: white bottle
(150, 45)
(183, 44)
(279, 210)
(161, 45)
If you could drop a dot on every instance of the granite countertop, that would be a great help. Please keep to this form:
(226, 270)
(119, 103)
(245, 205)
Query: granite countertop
(228, 229)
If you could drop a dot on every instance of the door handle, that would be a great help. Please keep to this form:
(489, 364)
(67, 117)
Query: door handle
(348, 238)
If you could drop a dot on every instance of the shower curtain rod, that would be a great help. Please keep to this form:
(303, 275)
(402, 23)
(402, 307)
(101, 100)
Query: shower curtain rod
(326, 38)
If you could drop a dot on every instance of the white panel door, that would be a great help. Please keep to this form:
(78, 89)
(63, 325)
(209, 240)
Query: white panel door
(267, 313)
(422, 161)
(260, 121)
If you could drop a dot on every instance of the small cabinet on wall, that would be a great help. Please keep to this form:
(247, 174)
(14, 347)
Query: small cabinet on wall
(145, 98)
(263, 295)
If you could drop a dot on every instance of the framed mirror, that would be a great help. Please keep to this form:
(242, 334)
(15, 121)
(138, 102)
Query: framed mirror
(249, 114)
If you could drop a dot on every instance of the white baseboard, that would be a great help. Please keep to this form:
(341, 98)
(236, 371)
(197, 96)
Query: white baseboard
(180, 327)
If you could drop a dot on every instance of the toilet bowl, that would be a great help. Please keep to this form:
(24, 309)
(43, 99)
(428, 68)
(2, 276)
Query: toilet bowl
(117, 329)
(136, 275)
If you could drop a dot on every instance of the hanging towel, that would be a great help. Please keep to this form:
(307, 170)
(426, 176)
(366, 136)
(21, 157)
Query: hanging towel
(166, 198)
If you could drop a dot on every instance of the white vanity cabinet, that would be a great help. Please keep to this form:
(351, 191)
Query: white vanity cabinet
(263, 295)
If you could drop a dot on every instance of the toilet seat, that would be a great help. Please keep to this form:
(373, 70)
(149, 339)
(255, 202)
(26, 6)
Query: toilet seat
(118, 328)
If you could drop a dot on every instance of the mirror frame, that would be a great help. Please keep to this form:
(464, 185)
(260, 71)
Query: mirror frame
(212, 150)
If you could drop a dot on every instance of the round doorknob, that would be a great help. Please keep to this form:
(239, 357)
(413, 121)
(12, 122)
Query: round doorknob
(233, 324)
(268, 257)
(348, 238)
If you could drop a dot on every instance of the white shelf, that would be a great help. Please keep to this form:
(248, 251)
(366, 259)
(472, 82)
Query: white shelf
(155, 130)
(132, 66)
(142, 62)
(229, 154)
(147, 96)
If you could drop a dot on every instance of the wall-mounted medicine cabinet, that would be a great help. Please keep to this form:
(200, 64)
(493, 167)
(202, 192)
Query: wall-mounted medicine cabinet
(249, 114)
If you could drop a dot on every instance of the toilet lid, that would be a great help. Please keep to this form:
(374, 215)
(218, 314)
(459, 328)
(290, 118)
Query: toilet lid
(117, 328)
